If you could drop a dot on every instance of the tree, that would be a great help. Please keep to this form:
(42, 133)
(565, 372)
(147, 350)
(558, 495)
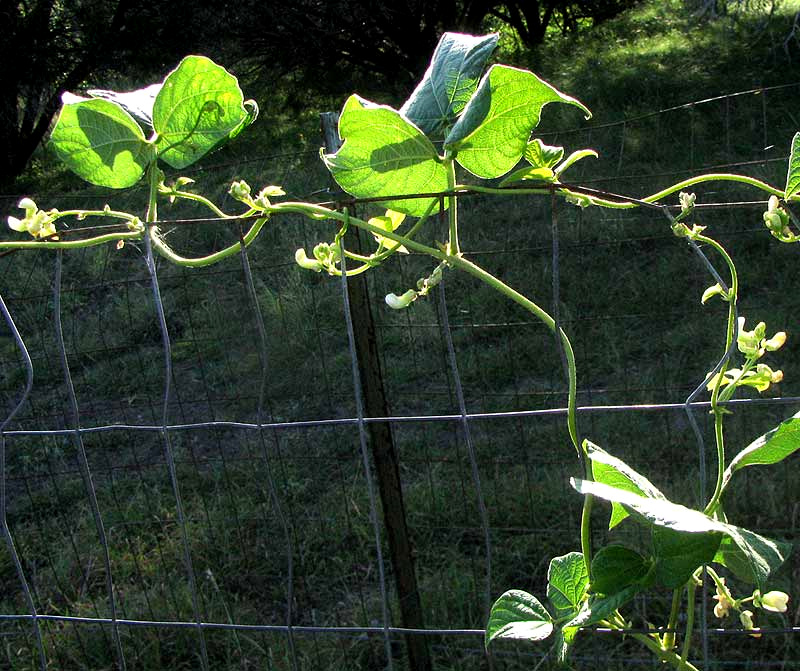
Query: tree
(52, 46)
(345, 44)
(532, 20)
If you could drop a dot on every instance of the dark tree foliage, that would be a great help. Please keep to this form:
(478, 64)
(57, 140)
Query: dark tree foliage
(532, 20)
(340, 44)
(52, 46)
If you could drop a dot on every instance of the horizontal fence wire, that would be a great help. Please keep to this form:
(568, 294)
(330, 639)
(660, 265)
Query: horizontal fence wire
(187, 471)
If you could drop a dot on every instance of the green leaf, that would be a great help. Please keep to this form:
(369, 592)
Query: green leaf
(610, 470)
(762, 554)
(390, 221)
(518, 615)
(492, 134)
(730, 556)
(529, 174)
(771, 448)
(199, 107)
(541, 155)
(598, 607)
(573, 158)
(679, 554)
(793, 175)
(449, 82)
(101, 143)
(615, 567)
(659, 512)
(567, 581)
(385, 155)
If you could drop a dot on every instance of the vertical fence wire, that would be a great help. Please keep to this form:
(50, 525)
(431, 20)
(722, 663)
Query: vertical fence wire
(168, 453)
(9, 539)
(83, 462)
(273, 492)
(362, 439)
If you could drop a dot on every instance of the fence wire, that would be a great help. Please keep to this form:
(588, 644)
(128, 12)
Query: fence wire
(186, 478)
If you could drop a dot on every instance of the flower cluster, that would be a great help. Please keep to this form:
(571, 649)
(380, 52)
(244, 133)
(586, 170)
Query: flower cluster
(326, 257)
(754, 344)
(776, 219)
(36, 222)
(773, 602)
(240, 190)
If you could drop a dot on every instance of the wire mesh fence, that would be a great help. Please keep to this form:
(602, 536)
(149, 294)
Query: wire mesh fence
(189, 473)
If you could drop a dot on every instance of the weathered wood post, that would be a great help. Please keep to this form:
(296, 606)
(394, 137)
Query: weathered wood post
(384, 455)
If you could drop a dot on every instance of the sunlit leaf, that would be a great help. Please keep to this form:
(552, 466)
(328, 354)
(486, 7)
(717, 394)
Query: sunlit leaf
(567, 580)
(390, 221)
(614, 472)
(793, 175)
(385, 155)
(771, 448)
(573, 158)
(492, 134)
(541, 155)
(529, 174)
(101, 143)
(518, 615)
(449, 82)
(762, 554)
(199, 107)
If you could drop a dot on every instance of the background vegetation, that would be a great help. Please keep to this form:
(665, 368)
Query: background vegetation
(629, 295)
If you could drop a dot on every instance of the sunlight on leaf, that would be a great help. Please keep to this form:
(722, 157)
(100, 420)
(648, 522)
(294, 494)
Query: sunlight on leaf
(139, 103)
(567, 580)
(101, 143)
(771, 448)
(385, 155)
(612, 471)
(492, 134)
(199, 107)
(793, 176)
(518, 615)
(762, 554)
(541, 155)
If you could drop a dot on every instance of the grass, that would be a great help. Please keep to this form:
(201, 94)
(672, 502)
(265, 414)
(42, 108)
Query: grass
(629, 297)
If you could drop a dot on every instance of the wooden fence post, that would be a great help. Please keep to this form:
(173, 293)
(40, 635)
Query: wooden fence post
(384, 455)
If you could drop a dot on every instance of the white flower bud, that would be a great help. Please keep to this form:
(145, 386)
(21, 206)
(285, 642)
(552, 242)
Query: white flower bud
(304, 262)
(399, 302)
(746, 618)
(775, 601)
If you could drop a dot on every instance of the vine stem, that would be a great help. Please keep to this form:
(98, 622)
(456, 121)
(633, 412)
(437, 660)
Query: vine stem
(691, 590)
(319, 212)
(653, 643)
(450, 164)
(730, 334)
(678, 661)
(627, 203)
(71, 244)
(167, 252)
(669, 636)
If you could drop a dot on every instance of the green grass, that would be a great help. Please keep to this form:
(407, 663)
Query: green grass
(629, 297)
